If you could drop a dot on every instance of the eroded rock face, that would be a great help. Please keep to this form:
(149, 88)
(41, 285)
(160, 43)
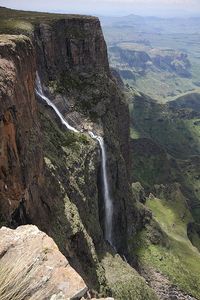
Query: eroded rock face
(52, 173)
(48, 175)
(69, 44)
(72, 61)
(20, 153)
(34, 268)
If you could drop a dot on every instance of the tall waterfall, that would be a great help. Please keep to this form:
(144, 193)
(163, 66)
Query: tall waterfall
(40, 93)
(107, 198)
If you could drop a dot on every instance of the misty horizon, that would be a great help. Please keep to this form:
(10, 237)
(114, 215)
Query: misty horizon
(118, 8)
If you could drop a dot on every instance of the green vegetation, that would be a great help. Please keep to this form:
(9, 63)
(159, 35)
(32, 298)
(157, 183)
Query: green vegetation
(69, 175)
(87, 88)
(69, 179)
(174, 153)
(61, 143)
(160, 37)
(177, 131)
(124, 281)
(167, 146)
(165, 149)
(62, 148)
(23, 22)
(151, 164)
(179, 260)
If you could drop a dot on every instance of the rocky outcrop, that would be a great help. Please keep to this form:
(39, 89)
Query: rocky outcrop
(32, 267)
(73, 43)
(137, 60)
(164, 289)
(140, 59)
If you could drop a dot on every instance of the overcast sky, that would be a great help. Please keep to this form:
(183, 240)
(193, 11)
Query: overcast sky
(111, 7)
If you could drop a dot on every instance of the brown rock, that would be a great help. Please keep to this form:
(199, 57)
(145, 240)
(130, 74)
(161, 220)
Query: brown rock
(70, 43)
(20, 153)
(33, 267)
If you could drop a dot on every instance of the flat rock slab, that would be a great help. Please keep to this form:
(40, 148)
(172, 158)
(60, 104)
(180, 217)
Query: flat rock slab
(32, 267)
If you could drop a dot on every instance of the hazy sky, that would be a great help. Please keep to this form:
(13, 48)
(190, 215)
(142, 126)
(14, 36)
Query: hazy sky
(110, 7)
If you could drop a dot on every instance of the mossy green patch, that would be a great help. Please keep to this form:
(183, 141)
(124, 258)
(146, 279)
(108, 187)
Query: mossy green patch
(124, 281)
(173, 215)
(71, 184)
(92, 100)
(166, 148)
(179, 260)
(151, 164)
(175, 131)
(61, 143)
(190, 179)
(166, 161)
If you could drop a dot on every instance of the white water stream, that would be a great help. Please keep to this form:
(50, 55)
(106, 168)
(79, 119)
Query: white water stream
(107, 198)
(40, 93)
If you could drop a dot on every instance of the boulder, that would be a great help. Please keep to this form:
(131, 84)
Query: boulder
(32, 267)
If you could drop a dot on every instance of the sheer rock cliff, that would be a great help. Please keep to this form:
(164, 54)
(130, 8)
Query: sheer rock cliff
(50, 176)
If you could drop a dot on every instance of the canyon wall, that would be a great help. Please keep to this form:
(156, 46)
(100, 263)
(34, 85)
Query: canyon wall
(50, 176)
(20, 158)
(72, 60)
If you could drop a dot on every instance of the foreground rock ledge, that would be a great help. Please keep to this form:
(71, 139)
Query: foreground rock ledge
(32, 267)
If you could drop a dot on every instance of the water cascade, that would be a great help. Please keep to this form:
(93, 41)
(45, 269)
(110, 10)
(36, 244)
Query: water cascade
(107, 198)
(40, 93)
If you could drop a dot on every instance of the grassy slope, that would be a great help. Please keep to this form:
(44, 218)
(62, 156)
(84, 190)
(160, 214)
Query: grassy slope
(165, 150)
(124, 280)
(178, 132)
(179, 136)
(17, 22)
(180, 261)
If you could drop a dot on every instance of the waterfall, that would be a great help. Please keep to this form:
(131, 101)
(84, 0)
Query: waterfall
(40, 93)
(107, 198)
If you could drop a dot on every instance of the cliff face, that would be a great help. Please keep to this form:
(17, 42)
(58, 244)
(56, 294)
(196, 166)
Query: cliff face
(20, 156)
(51, 176)
(70, 44)
(46, 177)
(72, 61)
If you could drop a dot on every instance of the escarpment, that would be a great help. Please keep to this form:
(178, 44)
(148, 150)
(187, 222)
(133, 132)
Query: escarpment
(70, 44)
(50, 176)
(72, 61)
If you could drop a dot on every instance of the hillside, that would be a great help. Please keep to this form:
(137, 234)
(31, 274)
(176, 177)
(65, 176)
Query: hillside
(159, 57)
(165, 153)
